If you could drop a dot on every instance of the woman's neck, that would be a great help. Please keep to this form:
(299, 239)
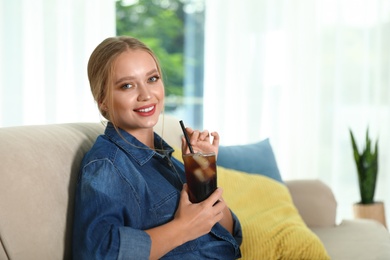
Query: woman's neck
(145, 136)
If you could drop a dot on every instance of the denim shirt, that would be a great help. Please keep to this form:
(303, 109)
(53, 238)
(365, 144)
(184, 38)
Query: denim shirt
(125, 188)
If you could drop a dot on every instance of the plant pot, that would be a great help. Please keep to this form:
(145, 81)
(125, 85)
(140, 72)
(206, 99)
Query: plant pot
(375, 211)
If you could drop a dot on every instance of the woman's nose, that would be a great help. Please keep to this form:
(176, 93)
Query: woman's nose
(144, 93)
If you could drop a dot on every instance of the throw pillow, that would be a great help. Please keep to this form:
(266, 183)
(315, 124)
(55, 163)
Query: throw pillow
(271, 225)
(251, 158)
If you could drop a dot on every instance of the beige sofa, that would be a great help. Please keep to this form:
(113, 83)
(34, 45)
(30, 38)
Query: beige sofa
(39, 166)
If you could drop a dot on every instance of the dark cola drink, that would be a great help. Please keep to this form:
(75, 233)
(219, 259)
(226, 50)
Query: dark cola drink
(201, 174)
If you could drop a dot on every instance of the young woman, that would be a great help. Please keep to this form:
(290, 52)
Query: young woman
(131, 198)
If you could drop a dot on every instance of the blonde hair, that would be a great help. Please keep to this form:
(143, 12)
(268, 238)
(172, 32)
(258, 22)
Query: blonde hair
(101, 69)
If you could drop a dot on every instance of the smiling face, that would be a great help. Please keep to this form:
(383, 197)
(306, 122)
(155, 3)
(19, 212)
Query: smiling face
(137, 92)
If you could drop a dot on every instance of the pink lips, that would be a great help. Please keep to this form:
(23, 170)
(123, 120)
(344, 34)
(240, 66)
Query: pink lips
(146, 110)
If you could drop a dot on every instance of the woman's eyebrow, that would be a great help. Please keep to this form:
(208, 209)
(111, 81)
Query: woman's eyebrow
(123, 79)
(151, 72)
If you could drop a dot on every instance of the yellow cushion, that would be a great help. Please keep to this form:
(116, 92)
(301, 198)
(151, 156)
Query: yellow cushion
(271, 225)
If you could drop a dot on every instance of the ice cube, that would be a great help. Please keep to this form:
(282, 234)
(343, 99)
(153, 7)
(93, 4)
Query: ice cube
(202, 161)
(199, 175)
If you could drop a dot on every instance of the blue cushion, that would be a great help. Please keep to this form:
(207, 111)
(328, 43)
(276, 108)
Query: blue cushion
(255, 158)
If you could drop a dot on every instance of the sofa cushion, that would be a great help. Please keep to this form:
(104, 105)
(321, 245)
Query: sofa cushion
(356, 239)
(40, 165)
(271, 225)
(251, 158)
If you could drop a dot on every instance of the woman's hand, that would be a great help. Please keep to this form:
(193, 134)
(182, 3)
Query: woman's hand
(201, 141)
(191, 221)
(197, 219)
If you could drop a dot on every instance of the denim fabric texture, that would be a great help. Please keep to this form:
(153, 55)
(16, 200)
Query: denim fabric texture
(124, 188)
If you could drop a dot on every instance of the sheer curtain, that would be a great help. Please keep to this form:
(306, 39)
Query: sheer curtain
(302, 72)
(44, 49)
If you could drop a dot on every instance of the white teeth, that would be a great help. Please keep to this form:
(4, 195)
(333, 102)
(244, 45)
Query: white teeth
(145, 110)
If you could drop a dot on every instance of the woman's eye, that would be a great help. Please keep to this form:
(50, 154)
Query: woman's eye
(154, 79)
(127, 86)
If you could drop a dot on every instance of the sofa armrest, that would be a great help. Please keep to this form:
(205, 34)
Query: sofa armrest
(315, 202)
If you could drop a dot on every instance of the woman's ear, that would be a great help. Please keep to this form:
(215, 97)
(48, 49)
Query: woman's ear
(103, 106)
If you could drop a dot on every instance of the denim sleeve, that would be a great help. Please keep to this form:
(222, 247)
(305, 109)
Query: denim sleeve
(134, 244)
(237, 230)
(108, 219)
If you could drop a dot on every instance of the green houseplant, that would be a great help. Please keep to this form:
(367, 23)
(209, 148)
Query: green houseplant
(366, 163)
(367, 168)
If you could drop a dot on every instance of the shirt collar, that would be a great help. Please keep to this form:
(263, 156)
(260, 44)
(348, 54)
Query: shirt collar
(136, 149)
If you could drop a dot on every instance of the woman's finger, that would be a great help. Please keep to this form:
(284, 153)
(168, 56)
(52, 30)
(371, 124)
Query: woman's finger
(214, 198)
(215, 136)
(194, 137)
(204, 136)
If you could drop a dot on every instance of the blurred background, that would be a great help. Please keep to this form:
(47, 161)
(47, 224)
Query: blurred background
(301, 72)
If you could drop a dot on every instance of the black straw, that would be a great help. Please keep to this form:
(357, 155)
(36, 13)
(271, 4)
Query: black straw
(186, 136)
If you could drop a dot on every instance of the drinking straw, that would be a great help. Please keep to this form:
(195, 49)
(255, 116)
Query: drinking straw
(186, 136)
